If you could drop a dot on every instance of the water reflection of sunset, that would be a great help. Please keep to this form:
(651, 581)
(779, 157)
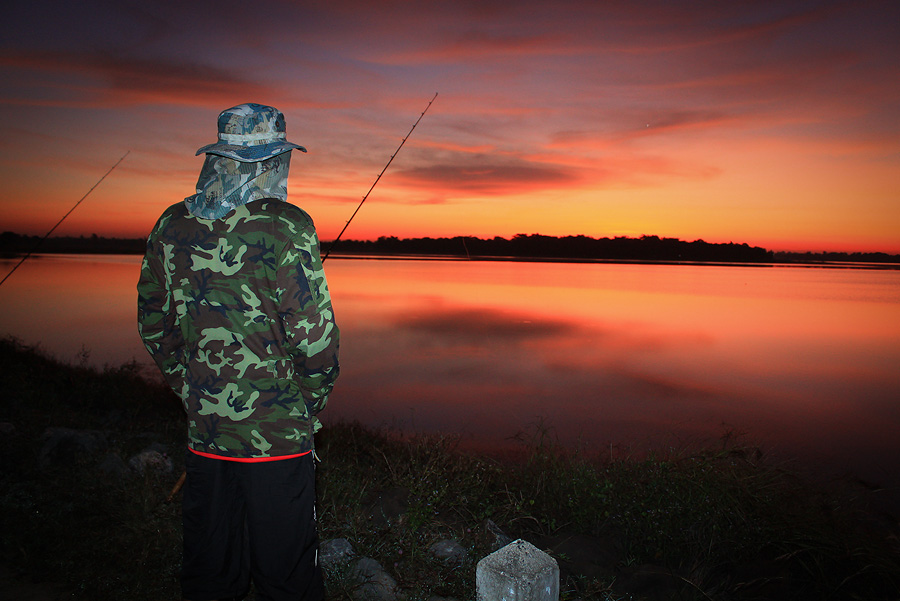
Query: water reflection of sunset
(74, 304)
(624, 353)
(803, 360)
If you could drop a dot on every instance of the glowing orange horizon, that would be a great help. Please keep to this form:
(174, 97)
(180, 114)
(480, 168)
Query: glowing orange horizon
(770, 127)
(115, 209)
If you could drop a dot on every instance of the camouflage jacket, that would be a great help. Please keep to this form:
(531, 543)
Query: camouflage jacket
(237, 315)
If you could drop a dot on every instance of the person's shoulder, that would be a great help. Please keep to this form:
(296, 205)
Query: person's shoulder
(179, 209)
(285, 211)
(171, 216)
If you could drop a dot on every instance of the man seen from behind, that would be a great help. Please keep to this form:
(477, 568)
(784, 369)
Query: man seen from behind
(234, 308)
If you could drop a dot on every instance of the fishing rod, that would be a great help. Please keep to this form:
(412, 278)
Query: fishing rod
(47, 235)
(359, 206)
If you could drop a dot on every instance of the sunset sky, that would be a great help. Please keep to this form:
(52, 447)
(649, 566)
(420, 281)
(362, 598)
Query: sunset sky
(771, 123)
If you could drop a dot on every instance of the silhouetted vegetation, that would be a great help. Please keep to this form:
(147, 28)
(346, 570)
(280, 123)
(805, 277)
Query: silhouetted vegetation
(835, 257)
(12, 243)
(722, 524)
(519, 247)
(536, 246)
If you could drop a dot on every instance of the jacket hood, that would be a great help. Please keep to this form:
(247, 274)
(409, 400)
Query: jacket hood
(225, 184)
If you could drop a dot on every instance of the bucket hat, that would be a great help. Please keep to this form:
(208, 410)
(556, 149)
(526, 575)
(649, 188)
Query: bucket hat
(250, 132)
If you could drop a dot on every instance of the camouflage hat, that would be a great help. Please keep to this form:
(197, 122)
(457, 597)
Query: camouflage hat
(249, 133)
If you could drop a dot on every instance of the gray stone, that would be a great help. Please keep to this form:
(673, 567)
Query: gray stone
(335, 552)
(498, 538)
(448, 551)
(517, 572)
(150, 461)
(373, 583)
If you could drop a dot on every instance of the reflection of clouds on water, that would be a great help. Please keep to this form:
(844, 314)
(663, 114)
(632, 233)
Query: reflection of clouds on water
(481, 325)
(802, 360)
(488, 373)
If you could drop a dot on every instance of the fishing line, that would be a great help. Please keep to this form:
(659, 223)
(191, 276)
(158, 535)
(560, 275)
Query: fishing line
(331, 247)
(47, 235)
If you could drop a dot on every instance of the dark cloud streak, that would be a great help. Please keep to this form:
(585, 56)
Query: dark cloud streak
(126, 80)
(484, 174)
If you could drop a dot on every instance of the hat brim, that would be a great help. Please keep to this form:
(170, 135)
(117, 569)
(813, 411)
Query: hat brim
(250, 154)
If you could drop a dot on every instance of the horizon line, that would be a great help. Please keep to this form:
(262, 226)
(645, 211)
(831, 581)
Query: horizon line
(488, 239)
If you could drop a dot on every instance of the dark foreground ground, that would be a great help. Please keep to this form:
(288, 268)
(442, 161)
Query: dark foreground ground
(89, 458)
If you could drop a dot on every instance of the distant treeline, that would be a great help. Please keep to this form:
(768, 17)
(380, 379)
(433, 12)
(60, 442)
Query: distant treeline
(11, 243)
(645, 248)
(829, 257)
(520, 246)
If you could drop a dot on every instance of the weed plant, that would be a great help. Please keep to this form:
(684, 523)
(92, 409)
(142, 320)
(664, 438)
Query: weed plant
(724, 523)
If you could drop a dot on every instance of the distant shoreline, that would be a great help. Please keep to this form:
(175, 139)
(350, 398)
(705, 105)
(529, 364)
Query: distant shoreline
(808, 264)
(528, 248)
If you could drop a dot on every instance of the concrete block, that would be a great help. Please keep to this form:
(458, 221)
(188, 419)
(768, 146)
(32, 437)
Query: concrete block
(517, 572)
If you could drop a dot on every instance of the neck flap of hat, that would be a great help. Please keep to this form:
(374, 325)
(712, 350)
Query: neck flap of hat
(225, 184)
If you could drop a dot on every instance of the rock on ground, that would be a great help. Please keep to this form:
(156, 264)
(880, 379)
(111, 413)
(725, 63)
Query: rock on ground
(448, 551)
(334, 552)
(374, 584)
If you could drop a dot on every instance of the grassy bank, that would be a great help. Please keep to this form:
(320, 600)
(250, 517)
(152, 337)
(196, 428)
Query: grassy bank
(720, 524)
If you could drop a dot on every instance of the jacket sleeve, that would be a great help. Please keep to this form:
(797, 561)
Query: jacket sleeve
(157, 315)
(312, 336)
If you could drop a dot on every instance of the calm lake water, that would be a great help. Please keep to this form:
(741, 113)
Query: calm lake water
(617, 358)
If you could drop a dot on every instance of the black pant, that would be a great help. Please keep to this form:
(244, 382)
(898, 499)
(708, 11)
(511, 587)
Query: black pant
(250, 520)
